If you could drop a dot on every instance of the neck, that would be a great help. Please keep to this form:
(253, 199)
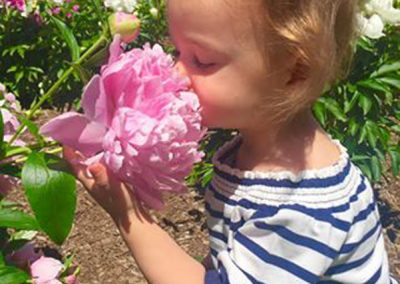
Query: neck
(285, 145)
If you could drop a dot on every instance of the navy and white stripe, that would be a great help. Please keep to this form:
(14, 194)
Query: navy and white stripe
(320, 226)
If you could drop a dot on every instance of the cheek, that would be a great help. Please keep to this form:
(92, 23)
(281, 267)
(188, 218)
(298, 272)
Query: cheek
(223, 104)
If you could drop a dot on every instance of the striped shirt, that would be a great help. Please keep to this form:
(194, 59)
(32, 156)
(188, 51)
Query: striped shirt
(317, 226)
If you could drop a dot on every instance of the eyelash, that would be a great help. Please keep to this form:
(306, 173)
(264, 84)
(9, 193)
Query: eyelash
(195, 61)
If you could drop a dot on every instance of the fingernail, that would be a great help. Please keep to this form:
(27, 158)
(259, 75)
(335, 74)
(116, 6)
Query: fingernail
(88, 173)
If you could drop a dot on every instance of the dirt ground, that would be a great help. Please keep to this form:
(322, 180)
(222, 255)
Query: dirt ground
(104, 258)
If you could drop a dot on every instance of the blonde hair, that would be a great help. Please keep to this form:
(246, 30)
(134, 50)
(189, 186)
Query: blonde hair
(320, 33)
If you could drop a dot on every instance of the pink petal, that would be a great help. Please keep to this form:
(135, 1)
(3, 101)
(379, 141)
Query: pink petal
(149, 196)
(71, 279)
(115, 49)
(46, 269)
(76, 131)
(94, 101)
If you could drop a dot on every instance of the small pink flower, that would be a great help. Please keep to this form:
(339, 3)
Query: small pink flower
(71, 279)
(10, 121)
(2, 88)
(56, 10)
(38, 18)
(46, 270)
(75, 8)
(69, 15)
(18, 4)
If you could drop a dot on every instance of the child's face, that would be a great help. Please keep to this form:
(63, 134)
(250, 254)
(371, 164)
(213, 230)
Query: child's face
(218, 51)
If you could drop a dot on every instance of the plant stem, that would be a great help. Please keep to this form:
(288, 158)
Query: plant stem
(28, 149)
(56, 85)
(53, 151)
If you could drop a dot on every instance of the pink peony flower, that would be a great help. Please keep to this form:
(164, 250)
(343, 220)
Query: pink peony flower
(18, 4)
(23, 257)
(46, 270)
(126, 25)
(140, 120)
(56, 10)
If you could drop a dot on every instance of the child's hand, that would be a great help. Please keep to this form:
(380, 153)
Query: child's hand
(115, 198)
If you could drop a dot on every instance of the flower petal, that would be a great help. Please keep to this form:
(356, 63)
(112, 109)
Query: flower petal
(76, 131)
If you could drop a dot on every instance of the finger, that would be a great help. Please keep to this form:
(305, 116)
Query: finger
(79, 170)
(72, 155)
(100, 175)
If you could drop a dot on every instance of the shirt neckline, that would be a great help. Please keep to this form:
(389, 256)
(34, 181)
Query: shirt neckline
(229, 148)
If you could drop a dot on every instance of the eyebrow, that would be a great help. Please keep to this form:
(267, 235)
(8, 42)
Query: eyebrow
(199, 42)
(203, 44)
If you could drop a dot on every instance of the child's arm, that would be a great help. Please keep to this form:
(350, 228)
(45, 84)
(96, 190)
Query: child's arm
(160, 259)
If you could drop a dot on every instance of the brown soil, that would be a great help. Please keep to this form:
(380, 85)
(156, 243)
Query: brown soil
(104, 258)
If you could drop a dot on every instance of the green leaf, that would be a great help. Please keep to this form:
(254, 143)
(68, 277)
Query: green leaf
(387, 68)
(363, 134)
(69, 38)
(50, 189)
(23, 235)
(373, 85)
(320, 113)
(384, 136)
(13, 275)
(375, 168)
(83, 73)
(334, 107)
(396, 128)
(395, 161)
(348, 105)
(353, 126)
(366, 169)
(365, 103)
(17, 220)
(372, 133)
(394, 82)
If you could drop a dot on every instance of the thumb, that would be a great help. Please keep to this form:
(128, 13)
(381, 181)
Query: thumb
(99, 173)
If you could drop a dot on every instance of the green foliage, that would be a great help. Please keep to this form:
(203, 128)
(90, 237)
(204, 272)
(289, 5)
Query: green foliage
(50, 189)
(363, 111)
(34, 56)
(15, 219)
(12, 275)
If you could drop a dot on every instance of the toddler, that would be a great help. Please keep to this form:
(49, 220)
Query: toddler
(286, 204)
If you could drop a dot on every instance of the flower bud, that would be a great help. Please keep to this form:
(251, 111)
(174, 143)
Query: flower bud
(154, 12)
(126, 25)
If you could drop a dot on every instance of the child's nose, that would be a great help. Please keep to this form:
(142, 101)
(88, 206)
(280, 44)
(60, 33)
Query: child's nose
(181, 69)
(183, 72)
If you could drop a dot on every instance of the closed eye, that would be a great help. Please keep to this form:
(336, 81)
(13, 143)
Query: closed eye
(195, 61)
(202, 65)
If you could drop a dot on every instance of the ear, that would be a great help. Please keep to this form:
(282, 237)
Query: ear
(297, 72)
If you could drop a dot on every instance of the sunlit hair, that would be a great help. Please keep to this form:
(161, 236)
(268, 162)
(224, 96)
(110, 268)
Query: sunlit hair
(320, 33)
